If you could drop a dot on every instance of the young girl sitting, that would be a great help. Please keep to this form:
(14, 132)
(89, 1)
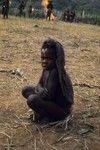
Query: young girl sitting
(52, 98)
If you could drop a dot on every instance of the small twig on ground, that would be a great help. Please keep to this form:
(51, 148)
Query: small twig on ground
(8, 145)
(5, 135)
(63, 123)
(86, 85)
(16, 72)
(41, 136)
(52, 147)
(86, 147)
(60, 139)
(23, 124)
(35, 144)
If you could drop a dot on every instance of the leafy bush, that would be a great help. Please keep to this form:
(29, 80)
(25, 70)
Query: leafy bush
(89, 19)
(38, 13)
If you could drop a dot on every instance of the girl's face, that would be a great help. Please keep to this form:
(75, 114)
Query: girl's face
(48, 61)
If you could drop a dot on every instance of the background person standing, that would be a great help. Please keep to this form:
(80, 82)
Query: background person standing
(5, 8)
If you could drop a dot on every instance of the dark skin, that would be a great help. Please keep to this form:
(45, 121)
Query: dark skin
(50, 8)
(47, 99)
(47, 60)
(5, 9)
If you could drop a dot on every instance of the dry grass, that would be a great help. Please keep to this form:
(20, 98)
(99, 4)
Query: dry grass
(20, 42)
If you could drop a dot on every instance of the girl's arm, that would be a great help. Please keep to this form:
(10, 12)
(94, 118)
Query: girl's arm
(50, 90)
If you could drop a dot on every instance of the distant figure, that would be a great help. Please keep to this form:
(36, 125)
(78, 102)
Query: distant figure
(72, 16)
(5, 8)
(69, 16)
(52, 97)
(21, 8)
(66, 15)
(49, 9)
(30, 11)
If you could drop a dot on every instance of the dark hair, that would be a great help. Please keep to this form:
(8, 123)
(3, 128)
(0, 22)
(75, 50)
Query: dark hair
(64, 79)
(50, 46)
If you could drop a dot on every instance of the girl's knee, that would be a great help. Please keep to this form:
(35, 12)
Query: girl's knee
(24, 90)
(27, 90)
(32, 100)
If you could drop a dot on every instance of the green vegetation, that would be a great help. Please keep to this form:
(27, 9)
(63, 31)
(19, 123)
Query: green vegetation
(91, 9)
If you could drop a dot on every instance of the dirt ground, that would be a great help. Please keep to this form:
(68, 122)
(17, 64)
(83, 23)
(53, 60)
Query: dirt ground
(20, 43)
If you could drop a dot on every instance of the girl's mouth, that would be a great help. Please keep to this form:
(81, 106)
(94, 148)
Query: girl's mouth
(44, 65)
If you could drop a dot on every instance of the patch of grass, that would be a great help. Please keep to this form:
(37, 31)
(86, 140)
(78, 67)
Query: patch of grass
(20, 43)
